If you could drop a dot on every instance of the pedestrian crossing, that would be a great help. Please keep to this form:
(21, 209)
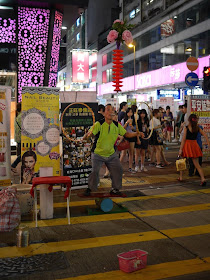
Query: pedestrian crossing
(121, 216)
(153, 272)
(146, 178)
(103, 237)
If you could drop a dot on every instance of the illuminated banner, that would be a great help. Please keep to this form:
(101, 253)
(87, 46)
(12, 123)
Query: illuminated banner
(167, 75)
(167, 28)
(175, 93)
(32, 46)
(55, 49)
(40, 132)
(80, 67)
(5, 150)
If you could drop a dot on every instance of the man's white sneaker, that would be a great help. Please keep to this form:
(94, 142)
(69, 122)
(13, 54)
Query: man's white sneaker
(137, 169)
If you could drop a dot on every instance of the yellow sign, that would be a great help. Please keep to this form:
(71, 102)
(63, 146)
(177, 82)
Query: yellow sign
(202, 114)
(40, 132)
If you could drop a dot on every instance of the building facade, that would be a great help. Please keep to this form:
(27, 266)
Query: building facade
(167, 32)
(84, 35)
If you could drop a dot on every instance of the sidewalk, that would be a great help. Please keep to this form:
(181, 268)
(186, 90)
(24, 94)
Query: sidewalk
(168, 219)
(152, 176)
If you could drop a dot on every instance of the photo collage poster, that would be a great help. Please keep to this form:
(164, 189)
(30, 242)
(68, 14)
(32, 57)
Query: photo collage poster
(76, 120)
(40, 132)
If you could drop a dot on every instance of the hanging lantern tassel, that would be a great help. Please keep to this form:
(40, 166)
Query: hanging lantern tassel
(117, 69)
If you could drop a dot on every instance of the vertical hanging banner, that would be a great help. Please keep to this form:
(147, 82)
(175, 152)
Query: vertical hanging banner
(55, 49)
(80, 67)
(40, 132)
(200, 105)
(76, 119)
(5, 150)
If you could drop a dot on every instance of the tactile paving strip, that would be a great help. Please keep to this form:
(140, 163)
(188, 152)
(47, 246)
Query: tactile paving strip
(11, 267)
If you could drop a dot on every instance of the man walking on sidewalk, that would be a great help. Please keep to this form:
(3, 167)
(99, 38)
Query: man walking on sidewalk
(106, 132)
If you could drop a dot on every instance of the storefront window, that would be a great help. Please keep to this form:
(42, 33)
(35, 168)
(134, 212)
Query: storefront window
(104, 77)
(104, 60)
(170, 55)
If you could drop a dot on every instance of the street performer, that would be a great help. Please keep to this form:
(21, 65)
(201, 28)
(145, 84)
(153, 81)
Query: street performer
(106, 132)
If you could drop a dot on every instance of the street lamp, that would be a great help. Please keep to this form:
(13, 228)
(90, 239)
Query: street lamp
(134, 63)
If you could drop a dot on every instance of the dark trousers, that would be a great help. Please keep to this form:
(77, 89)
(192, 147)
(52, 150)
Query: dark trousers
(192, 167)
(115, 169)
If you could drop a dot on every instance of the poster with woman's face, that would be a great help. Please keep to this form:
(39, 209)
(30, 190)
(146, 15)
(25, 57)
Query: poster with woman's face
(29, 159)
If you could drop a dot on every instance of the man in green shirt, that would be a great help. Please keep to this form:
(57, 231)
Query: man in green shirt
(106, 132)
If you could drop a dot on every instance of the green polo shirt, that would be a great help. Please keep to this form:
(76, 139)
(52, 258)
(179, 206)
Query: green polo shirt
(105, 137)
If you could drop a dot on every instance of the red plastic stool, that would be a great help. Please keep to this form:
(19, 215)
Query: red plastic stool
(53, 180)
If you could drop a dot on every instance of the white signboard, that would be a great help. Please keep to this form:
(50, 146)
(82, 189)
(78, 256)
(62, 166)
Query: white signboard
(5, 150)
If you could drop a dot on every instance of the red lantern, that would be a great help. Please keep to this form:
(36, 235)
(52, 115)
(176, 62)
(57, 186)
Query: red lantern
(117, 69)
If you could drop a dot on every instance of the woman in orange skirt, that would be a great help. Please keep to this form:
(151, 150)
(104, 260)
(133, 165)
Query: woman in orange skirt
(189, 146)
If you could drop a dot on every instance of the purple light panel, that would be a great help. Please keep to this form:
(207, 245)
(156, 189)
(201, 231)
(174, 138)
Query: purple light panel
(33, 26)
(7, 30)
(55, 49)
(52, 79)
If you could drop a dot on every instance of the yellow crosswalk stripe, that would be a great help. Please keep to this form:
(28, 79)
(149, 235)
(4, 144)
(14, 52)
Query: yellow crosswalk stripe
(175, 210)
(153, 272)
(79, 244)
(89, 202)
(81, 220)
(120, 216)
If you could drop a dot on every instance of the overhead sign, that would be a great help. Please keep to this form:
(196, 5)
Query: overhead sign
(172, 74)
(192, 63)
(176, 94)
(80, 67)
(191, 79)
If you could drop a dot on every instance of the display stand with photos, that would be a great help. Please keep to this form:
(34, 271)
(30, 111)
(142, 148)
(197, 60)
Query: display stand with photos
(77, 118)
(200, 105)
(40, 140)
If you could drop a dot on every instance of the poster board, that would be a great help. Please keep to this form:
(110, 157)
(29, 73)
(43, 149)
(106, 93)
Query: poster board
(76, 121)
(5, 149)
(40, 132)
(200, 105)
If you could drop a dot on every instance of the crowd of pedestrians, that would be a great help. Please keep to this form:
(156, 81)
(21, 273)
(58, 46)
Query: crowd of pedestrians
(145, 136)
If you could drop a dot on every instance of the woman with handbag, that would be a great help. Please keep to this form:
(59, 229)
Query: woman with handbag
(143, 126)
(157, 138)
(128, 123)
(189, 147)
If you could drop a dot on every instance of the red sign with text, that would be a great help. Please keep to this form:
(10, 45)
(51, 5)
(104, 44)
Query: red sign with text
(80, 67)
